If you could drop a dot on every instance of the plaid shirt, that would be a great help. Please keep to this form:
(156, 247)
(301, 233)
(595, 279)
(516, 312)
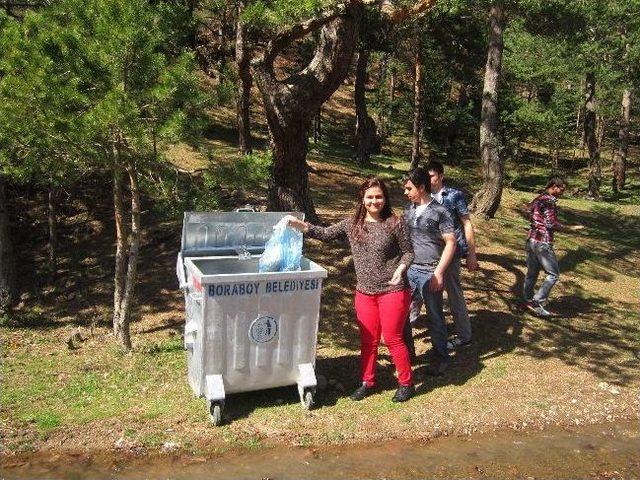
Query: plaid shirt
(543, 215)
(456, 203)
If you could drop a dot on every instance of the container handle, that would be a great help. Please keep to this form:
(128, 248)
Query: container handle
(182, 281)
(246, 208)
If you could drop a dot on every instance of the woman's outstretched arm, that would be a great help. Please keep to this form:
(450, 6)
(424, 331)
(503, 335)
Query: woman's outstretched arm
(321, 233)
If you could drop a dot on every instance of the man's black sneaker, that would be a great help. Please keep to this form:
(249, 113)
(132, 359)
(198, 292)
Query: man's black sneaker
(438, 369)
(404, 393)
(362, 391)
(455, 343)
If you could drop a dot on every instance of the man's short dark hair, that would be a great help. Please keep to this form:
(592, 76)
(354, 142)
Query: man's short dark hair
(556, 181)
(419, 176)
(435, 166)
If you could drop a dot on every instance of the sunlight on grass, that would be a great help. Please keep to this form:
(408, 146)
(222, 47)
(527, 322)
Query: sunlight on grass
(108, 387)
(518, 364)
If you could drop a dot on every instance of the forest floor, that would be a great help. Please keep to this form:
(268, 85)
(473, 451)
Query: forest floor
(522, 372)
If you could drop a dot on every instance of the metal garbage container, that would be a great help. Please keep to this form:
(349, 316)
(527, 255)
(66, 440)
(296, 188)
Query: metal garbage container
(245, 330)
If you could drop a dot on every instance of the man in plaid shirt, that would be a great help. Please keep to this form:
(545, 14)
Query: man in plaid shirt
(543, 215)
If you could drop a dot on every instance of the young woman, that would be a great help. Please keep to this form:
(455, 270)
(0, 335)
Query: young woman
(381, 252)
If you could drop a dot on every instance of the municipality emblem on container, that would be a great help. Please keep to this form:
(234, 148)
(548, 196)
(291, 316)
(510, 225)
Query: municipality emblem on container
(263, 329)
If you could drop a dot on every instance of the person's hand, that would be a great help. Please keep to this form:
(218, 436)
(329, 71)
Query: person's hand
(472, 262)
(436, 283)
(296, 223)
(396, 278)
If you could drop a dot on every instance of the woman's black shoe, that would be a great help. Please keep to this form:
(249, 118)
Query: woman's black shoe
(362, 391)
(404, 393)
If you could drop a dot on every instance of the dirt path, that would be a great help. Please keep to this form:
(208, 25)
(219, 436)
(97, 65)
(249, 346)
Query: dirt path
(597, 452)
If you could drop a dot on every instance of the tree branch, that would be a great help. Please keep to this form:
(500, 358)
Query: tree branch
(22, 4)
(263, 66)
(296, 32)
(400, 14)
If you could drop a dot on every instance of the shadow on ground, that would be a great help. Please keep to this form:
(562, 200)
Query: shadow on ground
(590, 331)
(593, 333)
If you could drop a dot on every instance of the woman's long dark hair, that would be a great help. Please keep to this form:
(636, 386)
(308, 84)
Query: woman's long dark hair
(359, 215)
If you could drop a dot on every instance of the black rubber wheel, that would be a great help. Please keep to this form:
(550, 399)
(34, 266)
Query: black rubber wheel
(215, 412)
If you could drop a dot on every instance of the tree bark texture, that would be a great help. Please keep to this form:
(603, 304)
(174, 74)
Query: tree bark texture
(590, 135)
(381, 111)
(132, 261)
(127, 250)
(317, 126)
(8, 277)
(121, 245)
(386, 109)
(451, 140)
(487, 199)
(580, 119)
(245, 81)
(417, 112)
(601, 130)
(388, 128)
(619, 166)
(366, 134)
(398, 14)
(382, 69)
(52, 218)
(290, 104)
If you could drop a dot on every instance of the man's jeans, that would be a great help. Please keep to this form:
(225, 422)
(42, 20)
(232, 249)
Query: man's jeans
(457, 303)
(419, 279)
(540, 255)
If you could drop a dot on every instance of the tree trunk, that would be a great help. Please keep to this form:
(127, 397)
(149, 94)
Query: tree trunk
(245, 81)
(619, 166)
(8, 277)
(454, 132)
(590, 135)
(601, 130)
(289, 181)
(392, 96)
(365, 125)
(487, 200)
(53, 230)
(121, 243)
(386, 114)
(417, 112)
(317, 126)
(224, 36)
(382, 69)
(580, 119)
(381, 111)
(555, 157)
(132, 263)
(290, 104)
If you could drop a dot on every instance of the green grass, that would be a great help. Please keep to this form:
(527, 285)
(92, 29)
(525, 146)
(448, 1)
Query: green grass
(153, 439)
(97, 392)
(77, 391)
(496, 369)
(45, 420)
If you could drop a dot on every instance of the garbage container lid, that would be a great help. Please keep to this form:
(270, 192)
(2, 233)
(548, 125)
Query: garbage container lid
(223, 233)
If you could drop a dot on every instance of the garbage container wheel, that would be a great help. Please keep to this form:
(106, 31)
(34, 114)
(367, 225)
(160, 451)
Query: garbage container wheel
(308, 398)
(215, 412)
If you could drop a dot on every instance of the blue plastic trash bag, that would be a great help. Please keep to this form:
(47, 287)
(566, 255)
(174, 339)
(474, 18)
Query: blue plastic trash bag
(283, 251)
